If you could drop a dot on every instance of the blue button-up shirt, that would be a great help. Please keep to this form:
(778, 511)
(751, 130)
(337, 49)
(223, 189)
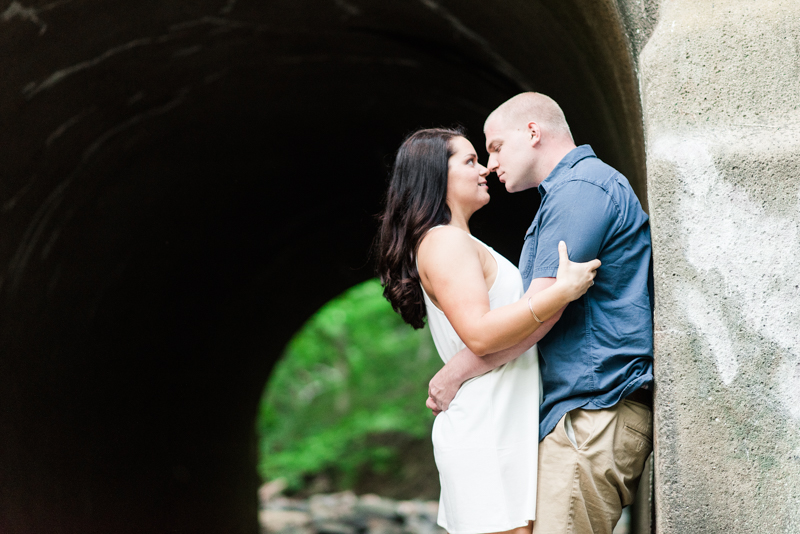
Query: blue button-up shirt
(601, 349)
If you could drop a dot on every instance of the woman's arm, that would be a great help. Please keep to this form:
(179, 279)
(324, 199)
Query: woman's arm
(465, 365)
(451, 263)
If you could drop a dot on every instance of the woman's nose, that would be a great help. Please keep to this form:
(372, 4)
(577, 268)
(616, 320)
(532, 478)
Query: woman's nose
(482, 171)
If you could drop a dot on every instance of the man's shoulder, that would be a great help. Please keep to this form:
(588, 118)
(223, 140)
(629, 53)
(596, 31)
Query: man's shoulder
(586, 179)
(594, 170)
(592, 173)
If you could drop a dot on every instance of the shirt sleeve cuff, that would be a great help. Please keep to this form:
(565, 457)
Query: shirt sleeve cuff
(545, 272)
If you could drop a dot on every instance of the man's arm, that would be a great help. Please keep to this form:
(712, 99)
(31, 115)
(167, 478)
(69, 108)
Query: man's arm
(465, 364)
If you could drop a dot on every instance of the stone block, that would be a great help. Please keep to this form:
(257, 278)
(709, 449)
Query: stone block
(722, 121)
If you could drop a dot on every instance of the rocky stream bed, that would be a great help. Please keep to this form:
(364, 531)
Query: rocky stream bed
(345, 513)
(348, 513)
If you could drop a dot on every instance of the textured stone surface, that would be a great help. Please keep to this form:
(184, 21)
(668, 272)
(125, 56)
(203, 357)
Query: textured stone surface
(722, 112)
(639, 18)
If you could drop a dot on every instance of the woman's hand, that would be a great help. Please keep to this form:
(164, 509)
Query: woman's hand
(575, 278)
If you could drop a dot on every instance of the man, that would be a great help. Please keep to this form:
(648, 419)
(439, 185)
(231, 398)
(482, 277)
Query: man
(596, 355)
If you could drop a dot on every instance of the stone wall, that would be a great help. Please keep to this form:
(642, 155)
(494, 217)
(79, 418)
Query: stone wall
(721, 101)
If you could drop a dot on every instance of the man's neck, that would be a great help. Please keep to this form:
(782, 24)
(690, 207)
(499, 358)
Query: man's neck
(555, 154)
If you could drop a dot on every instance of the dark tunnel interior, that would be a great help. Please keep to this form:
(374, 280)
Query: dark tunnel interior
(183, 184)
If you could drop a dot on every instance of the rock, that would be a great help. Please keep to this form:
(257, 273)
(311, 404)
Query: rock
(334, 527)
(427, 509)
(334, 506)
(424, 511)
(373, 505)
(271, 489)
(380, 525)
(420, 516)
(285, 503)
(345, 513)
(285, 521)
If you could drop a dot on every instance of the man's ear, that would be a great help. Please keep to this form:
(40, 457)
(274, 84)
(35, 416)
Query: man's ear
(535, 133)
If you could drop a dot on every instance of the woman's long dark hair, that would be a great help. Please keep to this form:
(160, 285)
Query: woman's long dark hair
(415, 203)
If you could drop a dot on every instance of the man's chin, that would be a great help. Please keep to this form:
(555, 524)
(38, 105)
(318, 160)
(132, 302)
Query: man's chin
(517, 187)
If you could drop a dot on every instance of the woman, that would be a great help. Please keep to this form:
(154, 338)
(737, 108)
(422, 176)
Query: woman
(486, 443)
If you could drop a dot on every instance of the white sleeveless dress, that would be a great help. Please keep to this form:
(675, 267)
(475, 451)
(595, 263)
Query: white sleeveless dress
(486, 443)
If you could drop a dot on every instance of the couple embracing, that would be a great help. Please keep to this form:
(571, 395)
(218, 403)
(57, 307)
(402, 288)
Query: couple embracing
(544, 404)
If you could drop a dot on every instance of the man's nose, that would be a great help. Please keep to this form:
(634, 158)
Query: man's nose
(492, 165)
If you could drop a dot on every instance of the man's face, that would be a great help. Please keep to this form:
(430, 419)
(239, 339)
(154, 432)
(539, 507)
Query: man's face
(511, 155)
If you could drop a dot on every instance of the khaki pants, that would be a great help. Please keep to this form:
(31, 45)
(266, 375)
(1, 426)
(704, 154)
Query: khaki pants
(584, 484)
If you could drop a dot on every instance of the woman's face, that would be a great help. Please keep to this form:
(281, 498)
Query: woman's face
(467, 190)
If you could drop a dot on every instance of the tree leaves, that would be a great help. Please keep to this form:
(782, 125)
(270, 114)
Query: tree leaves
(354, 370)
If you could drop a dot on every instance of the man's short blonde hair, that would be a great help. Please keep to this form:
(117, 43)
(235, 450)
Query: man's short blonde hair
(518, 111)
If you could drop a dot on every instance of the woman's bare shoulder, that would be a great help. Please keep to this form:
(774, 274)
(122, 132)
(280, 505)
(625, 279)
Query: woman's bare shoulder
(445, 249)
(444, 255)
(444, 239)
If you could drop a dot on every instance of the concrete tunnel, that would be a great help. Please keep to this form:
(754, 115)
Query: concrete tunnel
(183, 184)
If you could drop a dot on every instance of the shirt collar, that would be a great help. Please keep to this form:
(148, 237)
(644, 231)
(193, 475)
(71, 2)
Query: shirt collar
(566, 163)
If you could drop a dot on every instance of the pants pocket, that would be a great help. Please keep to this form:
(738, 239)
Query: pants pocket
(569, 430)
(582, 425)
(640, 440)
(635, 443)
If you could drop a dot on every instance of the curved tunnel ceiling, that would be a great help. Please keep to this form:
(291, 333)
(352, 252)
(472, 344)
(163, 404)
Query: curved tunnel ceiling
(183, 184)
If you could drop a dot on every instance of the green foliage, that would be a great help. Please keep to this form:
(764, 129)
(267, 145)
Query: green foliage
(354, 370)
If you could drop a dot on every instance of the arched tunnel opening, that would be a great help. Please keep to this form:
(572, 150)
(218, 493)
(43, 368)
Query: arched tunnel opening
(342, 414)
(184, 184)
